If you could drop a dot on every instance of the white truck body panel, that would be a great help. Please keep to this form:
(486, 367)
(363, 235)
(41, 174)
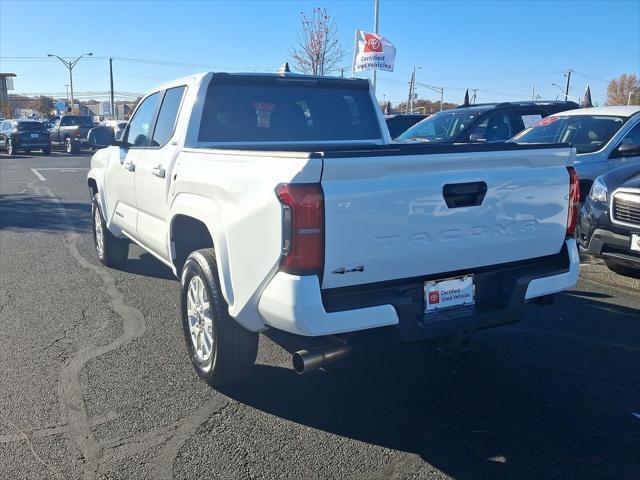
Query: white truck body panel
(390, 217)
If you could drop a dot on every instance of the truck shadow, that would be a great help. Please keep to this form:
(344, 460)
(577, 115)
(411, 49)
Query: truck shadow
(521, 405)
(28, 212)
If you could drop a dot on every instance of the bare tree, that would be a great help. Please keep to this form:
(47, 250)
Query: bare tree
(621, 88)
(318, 50)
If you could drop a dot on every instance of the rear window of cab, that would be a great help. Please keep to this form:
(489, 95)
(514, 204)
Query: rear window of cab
(287, 111)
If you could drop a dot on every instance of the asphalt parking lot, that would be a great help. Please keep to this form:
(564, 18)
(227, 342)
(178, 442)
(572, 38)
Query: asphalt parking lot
(96, 382)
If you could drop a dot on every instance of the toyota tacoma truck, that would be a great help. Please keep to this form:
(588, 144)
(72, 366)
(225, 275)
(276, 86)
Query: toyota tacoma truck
(279, 201)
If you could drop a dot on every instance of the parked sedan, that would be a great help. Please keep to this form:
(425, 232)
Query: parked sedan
(602, 136)
(610, 220)
(25, 135)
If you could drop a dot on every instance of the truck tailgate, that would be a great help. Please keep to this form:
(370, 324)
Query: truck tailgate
(399, 216)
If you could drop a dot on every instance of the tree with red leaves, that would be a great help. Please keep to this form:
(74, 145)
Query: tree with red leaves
(319, 51)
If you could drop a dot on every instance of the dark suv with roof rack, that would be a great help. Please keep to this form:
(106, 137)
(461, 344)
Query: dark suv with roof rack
(482, 123)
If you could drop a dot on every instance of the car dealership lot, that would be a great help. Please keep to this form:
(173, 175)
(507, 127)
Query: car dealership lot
(96, 381)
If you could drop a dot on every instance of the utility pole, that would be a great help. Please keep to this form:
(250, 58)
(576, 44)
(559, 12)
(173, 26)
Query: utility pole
(410, 92)
(112, 105)
(566, 91)
(70, 64)
(533, 93)
(67, 87)
(375, 30)
(629, 98)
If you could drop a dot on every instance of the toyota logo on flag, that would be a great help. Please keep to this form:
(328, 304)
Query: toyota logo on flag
(373, 52)
(372, 43)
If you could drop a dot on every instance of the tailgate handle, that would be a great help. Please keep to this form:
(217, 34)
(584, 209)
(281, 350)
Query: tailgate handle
(464, 194)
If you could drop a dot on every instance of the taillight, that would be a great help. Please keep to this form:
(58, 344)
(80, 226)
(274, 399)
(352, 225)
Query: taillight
(77, 133)
(302, 228)
(574, 202)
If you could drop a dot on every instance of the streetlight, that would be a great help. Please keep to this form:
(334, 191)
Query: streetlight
(412, 90)
(70, 64)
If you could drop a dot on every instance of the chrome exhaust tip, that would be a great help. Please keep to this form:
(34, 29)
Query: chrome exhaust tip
(305, 361)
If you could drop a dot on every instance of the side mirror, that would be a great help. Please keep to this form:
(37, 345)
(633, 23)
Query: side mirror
(100, 137)
(627, 150)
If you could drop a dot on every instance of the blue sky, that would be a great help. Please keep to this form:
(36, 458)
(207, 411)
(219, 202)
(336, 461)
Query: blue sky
(500, 47)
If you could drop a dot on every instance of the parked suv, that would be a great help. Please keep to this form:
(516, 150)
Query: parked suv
(483, 123)
(398, 123)
(610, 219)
(25, 135)
(602, 136)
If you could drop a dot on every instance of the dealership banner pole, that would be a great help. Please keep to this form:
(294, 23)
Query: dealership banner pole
(375, 30)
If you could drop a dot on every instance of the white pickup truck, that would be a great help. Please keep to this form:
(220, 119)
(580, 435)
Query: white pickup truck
(280, 202)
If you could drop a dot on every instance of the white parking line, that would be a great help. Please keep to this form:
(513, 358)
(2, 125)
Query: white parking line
(38, 174)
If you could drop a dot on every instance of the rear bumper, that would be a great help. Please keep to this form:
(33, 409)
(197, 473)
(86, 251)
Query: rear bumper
(297, 304)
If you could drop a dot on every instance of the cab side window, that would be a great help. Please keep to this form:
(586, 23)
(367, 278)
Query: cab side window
(167, 116)
(495, 127)
(632, 138)
(140, 125)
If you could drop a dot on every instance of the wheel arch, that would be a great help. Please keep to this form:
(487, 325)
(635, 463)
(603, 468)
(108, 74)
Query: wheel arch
(199, 217)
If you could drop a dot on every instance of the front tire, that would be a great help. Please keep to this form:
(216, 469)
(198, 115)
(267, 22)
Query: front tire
(111, 250)
(221, 350)
(622, 269)
(46, 150)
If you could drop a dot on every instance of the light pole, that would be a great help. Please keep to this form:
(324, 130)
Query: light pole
(70, 64)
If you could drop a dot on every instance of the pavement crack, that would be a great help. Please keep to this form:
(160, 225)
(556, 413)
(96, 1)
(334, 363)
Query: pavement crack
(56, 473)
(70, 390)
(166, 457)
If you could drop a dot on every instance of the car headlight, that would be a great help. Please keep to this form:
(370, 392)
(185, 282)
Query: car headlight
(598, 191)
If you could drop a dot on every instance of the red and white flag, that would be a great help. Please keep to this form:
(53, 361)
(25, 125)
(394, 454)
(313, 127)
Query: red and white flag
(373, 52)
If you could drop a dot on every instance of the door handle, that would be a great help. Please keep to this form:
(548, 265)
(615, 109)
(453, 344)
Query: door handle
(158, 171)
(129, 166)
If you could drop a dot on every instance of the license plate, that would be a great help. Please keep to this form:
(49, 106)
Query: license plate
(34, 135)
(635, 242)
(454, 292)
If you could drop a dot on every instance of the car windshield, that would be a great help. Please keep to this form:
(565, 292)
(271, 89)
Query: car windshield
(587, 133)
(76, 121)
(439, 127)
(30, 126)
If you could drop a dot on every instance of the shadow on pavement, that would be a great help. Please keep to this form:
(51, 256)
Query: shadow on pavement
(21, 212)
(146, 265)
(489, 413)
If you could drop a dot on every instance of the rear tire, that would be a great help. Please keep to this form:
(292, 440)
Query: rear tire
(69, 146)
(622, 269)
(221, 350)
(46, 150)
(111, 250)
(11, 150)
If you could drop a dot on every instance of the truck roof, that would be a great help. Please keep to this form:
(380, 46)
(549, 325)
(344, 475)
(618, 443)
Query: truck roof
(618, 111)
